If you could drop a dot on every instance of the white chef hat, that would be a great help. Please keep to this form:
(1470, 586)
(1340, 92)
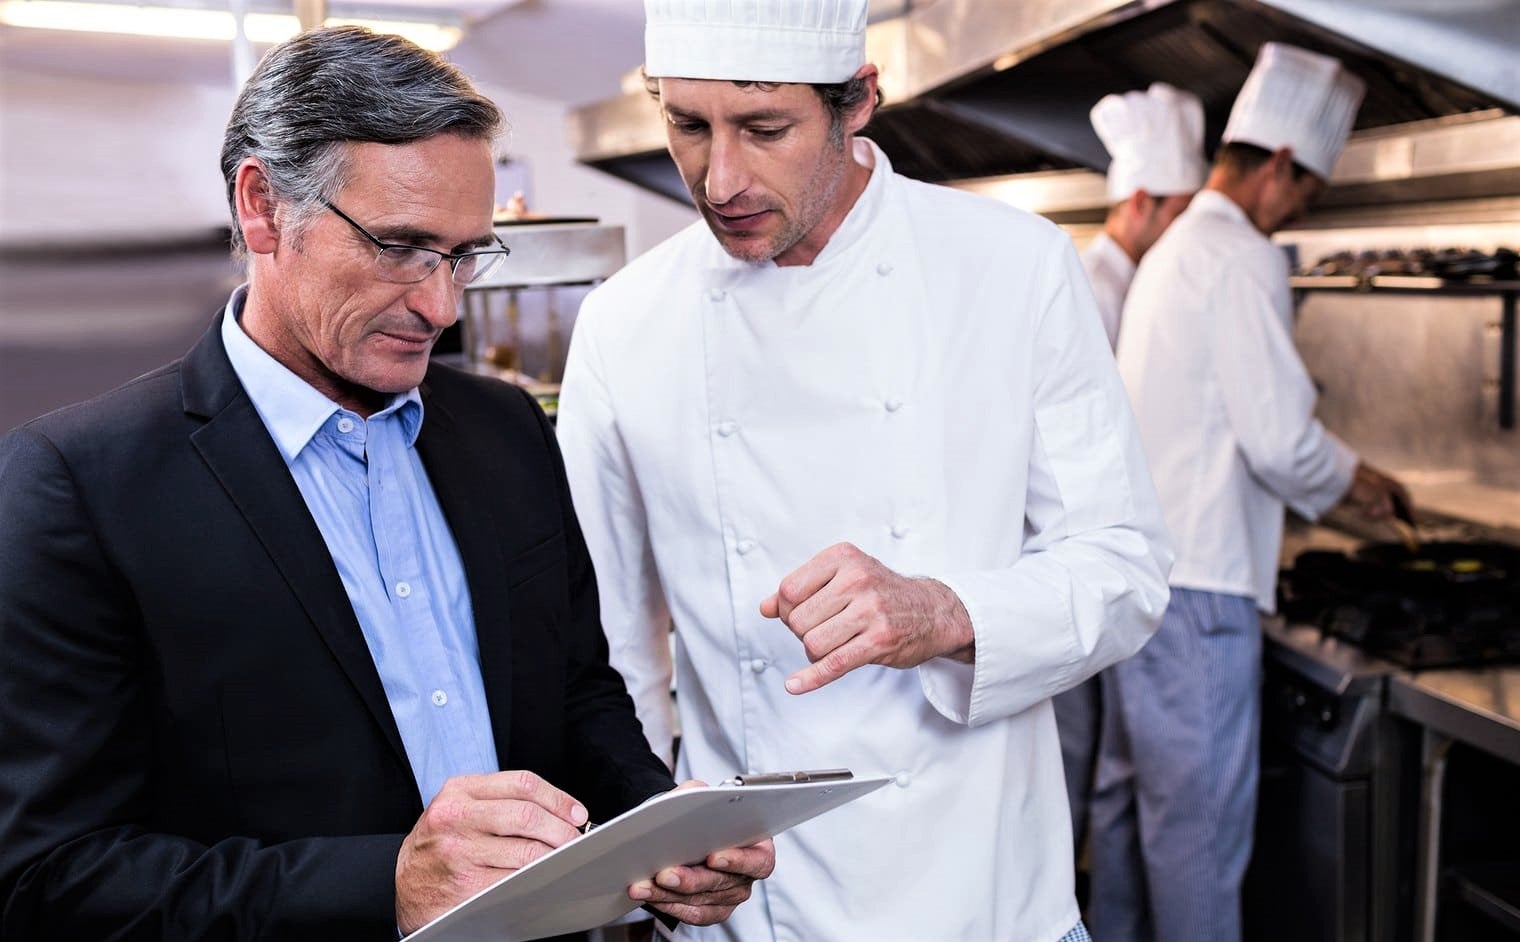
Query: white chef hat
(1155, 140)
(1297, 99)
(813, 41)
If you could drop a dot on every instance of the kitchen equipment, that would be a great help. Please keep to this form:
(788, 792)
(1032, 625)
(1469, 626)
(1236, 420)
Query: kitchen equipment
(1331, 861)
(1446, 604)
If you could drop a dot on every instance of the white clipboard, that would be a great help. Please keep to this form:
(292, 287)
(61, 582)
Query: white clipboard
(584, 884)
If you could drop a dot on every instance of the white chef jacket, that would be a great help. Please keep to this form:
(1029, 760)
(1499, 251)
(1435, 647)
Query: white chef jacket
(1110, 271)
(933, 388)
(1225, 406)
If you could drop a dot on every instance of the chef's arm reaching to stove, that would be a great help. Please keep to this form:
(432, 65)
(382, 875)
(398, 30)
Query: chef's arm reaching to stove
(1378, 496)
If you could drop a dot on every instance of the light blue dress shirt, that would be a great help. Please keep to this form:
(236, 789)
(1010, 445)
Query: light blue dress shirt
(365, 486)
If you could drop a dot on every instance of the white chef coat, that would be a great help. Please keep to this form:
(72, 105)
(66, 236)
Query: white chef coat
(1225, 406)
(1110, 271)
(933, 388)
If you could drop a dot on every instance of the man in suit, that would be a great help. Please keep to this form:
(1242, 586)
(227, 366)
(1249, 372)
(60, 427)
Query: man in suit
(275, 617)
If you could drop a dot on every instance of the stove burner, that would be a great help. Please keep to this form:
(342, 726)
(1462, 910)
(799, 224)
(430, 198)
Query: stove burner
(1448, 605)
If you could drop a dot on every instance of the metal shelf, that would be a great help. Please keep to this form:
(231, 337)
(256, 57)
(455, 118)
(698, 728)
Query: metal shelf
(1506, 291)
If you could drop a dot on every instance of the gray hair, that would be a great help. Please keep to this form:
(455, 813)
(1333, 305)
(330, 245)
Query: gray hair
(315, 93)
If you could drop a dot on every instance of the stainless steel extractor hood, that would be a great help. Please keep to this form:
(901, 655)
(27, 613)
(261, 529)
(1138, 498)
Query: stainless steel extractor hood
(989, 88)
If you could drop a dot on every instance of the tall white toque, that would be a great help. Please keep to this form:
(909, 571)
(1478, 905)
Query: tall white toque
(1297, 99)
(812, 41)
(1155, 140)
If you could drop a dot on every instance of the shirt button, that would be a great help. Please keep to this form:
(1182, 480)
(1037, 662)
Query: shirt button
(717, 294)
(899, 531)
(345, 425)
(902, 779)
(758, 665)
(744, 547)
(403, 589)
(440, 698)
(727, 428)
(892, 405)
(885, 268)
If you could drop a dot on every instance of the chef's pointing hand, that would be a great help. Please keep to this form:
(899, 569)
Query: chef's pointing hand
(849, 610)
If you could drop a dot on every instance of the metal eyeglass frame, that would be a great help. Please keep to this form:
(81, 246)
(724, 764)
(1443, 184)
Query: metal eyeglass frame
(453, 258)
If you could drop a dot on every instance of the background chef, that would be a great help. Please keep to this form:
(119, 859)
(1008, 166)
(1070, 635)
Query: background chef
(1226, 413)
(1155, 142)
(861, 569)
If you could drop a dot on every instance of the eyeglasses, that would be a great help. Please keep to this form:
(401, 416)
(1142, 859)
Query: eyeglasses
(409, 264)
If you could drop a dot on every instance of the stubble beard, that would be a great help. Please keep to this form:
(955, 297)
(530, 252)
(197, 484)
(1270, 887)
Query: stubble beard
(815, 199)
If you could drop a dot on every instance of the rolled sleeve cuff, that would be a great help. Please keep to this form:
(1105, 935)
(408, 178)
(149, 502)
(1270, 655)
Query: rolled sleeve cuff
(1026, 648)
(1343, 472)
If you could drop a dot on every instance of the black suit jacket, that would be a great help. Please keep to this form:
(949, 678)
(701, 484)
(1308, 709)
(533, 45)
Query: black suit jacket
(194, 741)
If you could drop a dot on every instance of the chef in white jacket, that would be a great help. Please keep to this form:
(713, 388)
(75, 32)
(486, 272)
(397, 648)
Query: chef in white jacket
(1155, 144)
(860, 441)
(1154, 140)
(1226, 412)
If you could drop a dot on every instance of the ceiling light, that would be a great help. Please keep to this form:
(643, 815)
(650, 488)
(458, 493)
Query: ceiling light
(189, 23)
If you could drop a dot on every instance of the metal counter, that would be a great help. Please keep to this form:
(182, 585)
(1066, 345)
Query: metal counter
(1335, 665)
(1476, 706)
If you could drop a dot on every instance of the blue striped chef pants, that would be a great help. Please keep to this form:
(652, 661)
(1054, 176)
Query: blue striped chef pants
(1174, 794)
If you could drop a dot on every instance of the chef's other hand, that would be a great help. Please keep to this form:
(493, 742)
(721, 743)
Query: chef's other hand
(1375, 494)
(478, 829)
(849, 610)
(707, 893)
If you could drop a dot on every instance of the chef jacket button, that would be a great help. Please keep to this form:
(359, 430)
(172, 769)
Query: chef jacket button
(899, 531)
(727, 428)
(885, 268)
(902, 779)
(744, 547)
(717, 294)
(345, 425)
(758, 665)
(892, 405)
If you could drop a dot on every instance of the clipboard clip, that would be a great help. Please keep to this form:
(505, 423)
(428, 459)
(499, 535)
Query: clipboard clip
(787, 778)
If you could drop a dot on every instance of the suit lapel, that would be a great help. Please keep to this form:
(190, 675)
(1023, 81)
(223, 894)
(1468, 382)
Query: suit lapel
(237, 448)
(463, 485)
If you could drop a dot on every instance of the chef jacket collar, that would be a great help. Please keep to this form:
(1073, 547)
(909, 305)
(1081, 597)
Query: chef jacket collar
(860, 220)
(1216, 203)
(1113, 253)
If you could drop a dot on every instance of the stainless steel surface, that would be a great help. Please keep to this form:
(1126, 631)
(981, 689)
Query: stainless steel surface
(1412, 381)
(515, 324)
(983, 88)
(1476, 706)
(561, 253)
(1336, 666)
(1479, 707)
(1433, 751)
(1328, 819)
(1414, 171)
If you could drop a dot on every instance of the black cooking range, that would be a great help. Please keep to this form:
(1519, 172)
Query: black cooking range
(1340, 774)
(1445, 604)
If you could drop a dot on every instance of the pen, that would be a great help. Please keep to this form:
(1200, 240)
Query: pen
(784, 778)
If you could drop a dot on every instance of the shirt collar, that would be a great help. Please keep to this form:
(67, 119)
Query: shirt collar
(292, 410)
